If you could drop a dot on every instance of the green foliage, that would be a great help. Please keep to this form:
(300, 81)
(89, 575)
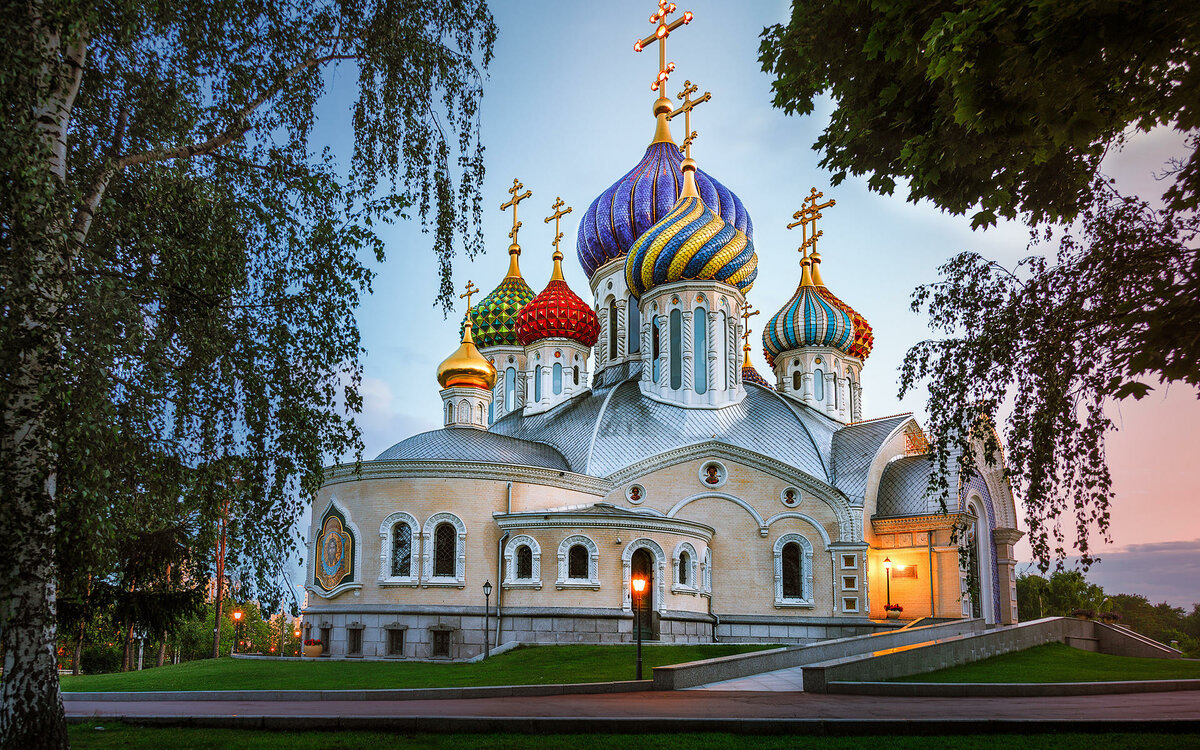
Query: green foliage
(1058, 662)
(1064, 592)
(1007, 107)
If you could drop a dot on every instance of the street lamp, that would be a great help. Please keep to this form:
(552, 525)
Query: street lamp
(237, 629)
(296, 635)
(887, 568)
(487, 593)
(639, 585)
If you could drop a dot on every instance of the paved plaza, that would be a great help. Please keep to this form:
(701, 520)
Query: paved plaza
(786, 680)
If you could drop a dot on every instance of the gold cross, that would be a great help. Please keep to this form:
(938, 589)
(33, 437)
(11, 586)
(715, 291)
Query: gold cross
(746, 315)
(556, 216)
(813, 212)
(517, 197)
(471, 289)
(661, 33)
(686, 109)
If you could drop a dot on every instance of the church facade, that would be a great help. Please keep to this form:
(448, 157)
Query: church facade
(756, 509)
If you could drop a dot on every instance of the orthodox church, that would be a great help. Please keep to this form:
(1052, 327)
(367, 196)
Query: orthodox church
(755, 509)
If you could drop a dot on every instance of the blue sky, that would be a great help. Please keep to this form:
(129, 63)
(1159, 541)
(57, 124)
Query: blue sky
(567, 111)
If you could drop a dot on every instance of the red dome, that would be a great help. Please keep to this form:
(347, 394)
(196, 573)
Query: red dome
(557, 313)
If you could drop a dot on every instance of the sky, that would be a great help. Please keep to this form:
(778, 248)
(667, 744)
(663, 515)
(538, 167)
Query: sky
(567, 110)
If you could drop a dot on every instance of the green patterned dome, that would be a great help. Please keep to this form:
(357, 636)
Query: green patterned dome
(494, 319)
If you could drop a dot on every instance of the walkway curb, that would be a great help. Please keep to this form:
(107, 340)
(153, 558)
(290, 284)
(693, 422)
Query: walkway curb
(1007, 689)
(413, 694)
(659, 725)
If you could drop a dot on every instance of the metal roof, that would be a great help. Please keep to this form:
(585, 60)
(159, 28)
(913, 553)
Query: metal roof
(477, 446)
(854, 448)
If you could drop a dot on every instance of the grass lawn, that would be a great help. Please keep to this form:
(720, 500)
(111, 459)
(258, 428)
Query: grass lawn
(135, 738)
(532, 665)
(1058, 662)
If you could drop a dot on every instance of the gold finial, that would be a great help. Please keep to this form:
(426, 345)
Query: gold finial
(662, 105)
(517, 197)
(686, 110)
(746, 315)
(556, 217)
(466, 366)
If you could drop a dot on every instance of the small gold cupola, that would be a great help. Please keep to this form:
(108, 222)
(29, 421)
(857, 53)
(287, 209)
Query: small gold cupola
(466, 366)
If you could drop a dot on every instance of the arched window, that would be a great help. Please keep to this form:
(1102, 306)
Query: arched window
(479, 414)
(464, 411)
(633, 328)
(685, 564)
(836, 389)
(445, 550)
(491, 412)
(654, 349)
(449, 412)
(524, 562)
(612, 331)
(676, 350)
(576, 374)
(577, 562)
(797, 381)
(537, 383)
(556, 378)
(700, 350)
(402, 550)
(818, 385)
(510, 389)
(685, 568)
(792, 588)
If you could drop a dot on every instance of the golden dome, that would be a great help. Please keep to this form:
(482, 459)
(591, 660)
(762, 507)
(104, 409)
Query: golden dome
(466, 366)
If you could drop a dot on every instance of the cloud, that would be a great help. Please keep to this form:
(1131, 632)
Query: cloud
(1164, 571)
(382, 422)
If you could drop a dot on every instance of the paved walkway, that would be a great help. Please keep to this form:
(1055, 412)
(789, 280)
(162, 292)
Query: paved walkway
(692, 704)
(790, 679)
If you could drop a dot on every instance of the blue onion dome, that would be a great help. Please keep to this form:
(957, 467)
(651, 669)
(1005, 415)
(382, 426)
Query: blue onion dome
(808, 319)
(494, 319)
(641, 198)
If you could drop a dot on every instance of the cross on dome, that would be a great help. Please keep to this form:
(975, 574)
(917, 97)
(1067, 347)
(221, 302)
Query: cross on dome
(468, 292)
(686, 110)
(517, 197)
(661, 33)
(746, 315)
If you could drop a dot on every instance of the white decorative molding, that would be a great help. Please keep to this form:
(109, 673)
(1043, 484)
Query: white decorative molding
(762, 524)
(468, 470)
(793, 499)
(386, 542)
(713, 470)
(564, 580)
(510, 562)
(635, 494)
(801, 517)
(642, 521)
(691, 584)
(311, 583)
(659, 594)
(428, 552)
(806, 572)
(706, 570)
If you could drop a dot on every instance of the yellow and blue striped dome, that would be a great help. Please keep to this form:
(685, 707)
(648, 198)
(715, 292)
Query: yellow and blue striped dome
(808, 319)
(690, 243)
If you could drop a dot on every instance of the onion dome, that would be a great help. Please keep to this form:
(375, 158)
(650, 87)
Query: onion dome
(495, 317)
(557, 312)
(808, 319)
(864, 339)
(749, 374)
(691, 242)
(466, 366)
(643, 197)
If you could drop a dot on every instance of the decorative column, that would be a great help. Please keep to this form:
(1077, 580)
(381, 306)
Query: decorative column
(830, 384)
(622, 326)
(647, 350)
(688, 354)
(856, 415)
(733, 333)
(664, 346)
(713, 348)
(806, 380)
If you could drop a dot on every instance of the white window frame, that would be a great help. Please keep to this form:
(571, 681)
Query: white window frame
(427, 551)
(510, 563)
(806, 572)
(706, 568)
(564, 564)
(692, 587)
(386, 537)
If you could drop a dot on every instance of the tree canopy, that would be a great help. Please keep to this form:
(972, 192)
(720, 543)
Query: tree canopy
(182, 266)
(1006, 108)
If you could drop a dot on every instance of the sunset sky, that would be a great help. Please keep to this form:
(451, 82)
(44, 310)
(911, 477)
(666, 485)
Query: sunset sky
(567, 111)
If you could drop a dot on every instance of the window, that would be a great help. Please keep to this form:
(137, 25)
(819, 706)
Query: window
(326, 635)
(797, 381)
(850, 582)
(402, 550)
(510, 389)
(791, 571)
(818, 385)
(556, 378)
(654, 349)
(354, 642)
(685, 569)
(441, 643)
(524, 562)
(576, 374)
(537, 383)
(700, 350)
(491, 412)
(633, 328)
(445, 542)
(685, 564)
(836, 388)
(577, 562)
(850, 604)
(395, 642)
(849, 561)
(449, 412)
(676, 349)
(612, 331)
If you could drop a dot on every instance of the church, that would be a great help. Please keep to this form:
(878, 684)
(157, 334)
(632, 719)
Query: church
(592, 443)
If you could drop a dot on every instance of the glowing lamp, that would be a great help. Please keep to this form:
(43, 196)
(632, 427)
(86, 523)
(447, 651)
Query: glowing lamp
(237, 615)
(887, 563)
(639, 585)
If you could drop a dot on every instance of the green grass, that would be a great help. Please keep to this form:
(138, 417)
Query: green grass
(135, 738)
(534, 665)
(1057, 662)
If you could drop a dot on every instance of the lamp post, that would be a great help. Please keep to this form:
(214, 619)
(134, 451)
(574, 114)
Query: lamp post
(887, 569)
(296, 635)
(487, 593)
(639, 585)
(237, 629)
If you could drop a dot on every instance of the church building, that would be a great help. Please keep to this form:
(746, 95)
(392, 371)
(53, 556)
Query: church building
(588, 443)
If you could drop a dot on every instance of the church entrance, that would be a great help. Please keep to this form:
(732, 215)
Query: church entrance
(646, 619)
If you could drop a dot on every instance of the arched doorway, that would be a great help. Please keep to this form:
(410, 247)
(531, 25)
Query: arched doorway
(642, 565)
